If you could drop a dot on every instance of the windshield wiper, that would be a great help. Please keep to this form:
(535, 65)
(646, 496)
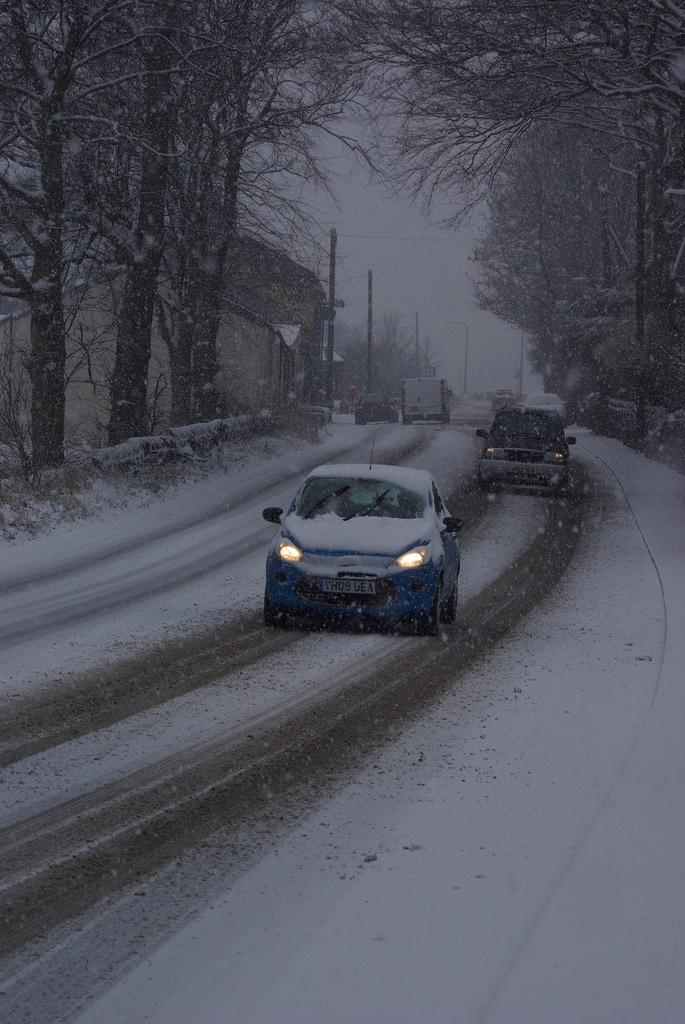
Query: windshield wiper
(324, 501)
(367, 508)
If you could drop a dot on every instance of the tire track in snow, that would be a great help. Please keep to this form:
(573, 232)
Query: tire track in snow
(61, 862)
(109, 694)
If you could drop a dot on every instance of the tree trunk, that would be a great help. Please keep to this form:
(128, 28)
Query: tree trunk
(48, 334)
(206, 316)
(129, 416)
(206, 286)
(180, 370)
(46, 370)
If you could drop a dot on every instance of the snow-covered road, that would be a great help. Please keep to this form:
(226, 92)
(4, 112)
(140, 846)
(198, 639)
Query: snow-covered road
(517, 854)
(91, 586)
(514, 855)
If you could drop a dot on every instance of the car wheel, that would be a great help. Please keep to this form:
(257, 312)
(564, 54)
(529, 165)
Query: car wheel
(360, 421)
(429, 623)
(407, 421)
(483, 484)
(271, 618)
(448, 612)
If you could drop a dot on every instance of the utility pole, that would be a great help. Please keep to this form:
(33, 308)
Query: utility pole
(640, 396)
(418, 350)
(369, 338)
(331, 318)
(461, 323)
(521, 366)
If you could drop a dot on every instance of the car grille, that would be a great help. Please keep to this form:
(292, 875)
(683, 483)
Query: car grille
(386, 592)
(522, 455)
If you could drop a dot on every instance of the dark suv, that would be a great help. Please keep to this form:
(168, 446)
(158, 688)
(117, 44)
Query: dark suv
(526, 448)
(375, 408)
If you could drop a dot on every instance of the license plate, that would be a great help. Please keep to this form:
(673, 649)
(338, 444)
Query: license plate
(345, 586)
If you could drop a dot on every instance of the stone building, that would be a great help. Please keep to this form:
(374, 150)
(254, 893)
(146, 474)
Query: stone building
(268, 343)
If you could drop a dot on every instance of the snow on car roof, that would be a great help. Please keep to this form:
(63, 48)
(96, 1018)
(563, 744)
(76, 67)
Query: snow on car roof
(413, 479)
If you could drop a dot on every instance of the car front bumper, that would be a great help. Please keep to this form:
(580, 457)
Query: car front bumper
(400, 596)
(523, 474)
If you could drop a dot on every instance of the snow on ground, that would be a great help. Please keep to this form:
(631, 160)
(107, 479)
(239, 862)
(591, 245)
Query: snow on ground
(148, 579)
(224, 707)
(75, 767)
(515, 857)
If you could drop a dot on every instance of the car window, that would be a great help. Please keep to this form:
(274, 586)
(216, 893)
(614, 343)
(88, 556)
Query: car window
(514, 423)
(397, 503)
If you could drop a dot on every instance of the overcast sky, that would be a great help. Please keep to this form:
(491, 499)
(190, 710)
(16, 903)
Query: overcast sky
(417, 265)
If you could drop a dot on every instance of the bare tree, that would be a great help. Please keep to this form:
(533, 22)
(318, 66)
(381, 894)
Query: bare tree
(54, 54)
(458, 85)
(557, 255)
(244, 147)
(393, 356)
(133, 201)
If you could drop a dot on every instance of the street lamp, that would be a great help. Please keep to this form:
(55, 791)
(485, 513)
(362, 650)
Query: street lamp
(466, 348)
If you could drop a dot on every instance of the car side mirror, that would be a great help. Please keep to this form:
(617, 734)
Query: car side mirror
(570, 440)
(481, 432)
(452, 524)
(272, 515)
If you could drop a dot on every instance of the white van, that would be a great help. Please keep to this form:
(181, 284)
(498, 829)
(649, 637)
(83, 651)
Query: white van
(425, 398)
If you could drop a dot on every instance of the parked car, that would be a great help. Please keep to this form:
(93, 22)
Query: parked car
(547, 401)
(503, 397)
(425, 398)
(375, 408)
(364, 544)
(526, 448)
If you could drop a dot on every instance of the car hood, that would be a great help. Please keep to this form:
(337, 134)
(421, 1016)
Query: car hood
(363, 535)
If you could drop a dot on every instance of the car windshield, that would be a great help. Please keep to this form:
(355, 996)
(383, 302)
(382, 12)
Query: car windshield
(348, 497)
(515, 423)
(372, 398)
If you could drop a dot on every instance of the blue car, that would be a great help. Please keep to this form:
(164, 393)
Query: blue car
(362, 544)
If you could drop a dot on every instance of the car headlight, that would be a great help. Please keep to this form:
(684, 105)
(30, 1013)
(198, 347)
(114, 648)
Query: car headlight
(411, 559)
(289, 552)
(493, 453)
(553, 457)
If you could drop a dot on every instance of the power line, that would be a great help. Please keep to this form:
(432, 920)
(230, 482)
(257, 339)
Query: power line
(409, 238)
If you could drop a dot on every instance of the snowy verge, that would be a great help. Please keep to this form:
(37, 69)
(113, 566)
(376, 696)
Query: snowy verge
(610, 943)
(138, 474)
